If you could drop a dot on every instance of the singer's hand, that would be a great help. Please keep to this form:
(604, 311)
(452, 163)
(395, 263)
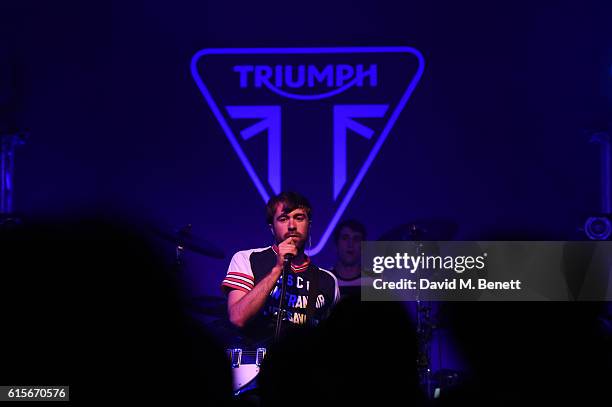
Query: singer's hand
(286, 247)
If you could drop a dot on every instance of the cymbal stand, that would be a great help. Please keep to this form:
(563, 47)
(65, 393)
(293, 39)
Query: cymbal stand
(424, 325)
(8, 143)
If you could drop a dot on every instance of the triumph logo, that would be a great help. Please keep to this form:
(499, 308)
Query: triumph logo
(310, 102)
(340, 77)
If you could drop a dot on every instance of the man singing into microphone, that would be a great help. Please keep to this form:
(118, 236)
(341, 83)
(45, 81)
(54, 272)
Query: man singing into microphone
(253, 283)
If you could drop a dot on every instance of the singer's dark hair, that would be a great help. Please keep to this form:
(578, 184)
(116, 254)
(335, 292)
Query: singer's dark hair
(290, 201)
(352, 224)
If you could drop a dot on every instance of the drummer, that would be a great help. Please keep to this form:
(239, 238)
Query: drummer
(348, 236)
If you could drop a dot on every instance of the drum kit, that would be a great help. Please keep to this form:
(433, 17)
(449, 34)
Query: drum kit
(214, 309)
(426, 313)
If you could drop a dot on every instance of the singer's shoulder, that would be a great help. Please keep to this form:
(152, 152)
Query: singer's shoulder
(329, 274)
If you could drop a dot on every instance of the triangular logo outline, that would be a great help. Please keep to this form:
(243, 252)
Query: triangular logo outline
(266, 120)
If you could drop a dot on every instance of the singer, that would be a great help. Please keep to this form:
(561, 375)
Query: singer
(253, 280)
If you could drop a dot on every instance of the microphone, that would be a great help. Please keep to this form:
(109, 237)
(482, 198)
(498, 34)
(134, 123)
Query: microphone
(288, 257)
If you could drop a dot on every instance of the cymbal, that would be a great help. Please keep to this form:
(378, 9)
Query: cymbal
(185, 237)
(427, 230)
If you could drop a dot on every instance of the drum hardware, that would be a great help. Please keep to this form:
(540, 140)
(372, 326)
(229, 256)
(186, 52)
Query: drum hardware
(246, 365)
(599, 227)
(422, 234)
(8, 144)
(184, 239)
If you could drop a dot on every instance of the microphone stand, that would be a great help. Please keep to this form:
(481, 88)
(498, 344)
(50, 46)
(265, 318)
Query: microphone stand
(281, 311)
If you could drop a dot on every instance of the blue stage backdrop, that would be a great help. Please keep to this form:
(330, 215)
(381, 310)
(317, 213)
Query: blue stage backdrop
(484, 109)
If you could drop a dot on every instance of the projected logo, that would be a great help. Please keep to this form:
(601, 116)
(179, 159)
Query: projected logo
(310, 120)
